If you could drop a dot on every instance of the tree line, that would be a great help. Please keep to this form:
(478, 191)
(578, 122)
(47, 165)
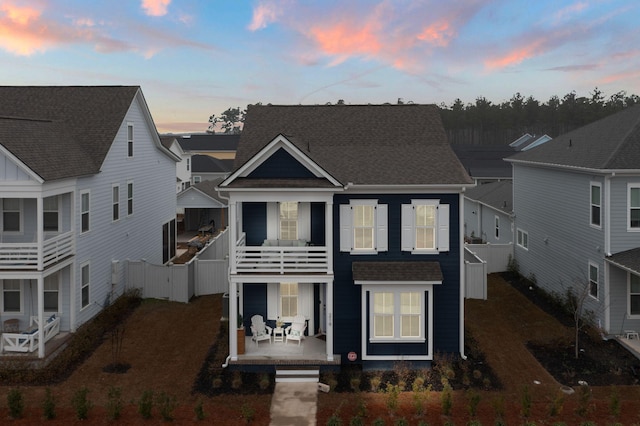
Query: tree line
(487, 123)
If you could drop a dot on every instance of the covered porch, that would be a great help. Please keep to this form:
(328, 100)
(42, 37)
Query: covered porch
(311, 351)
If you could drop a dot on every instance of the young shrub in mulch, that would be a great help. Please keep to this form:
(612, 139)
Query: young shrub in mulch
(15, 402)
(49, 405)
(166, 405)
(114, 403)
(145, 404)
(81, 404)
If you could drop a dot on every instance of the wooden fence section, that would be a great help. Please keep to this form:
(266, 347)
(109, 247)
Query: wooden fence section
(204, 274)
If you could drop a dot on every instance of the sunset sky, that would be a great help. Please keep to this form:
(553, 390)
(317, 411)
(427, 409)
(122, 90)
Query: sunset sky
(194, 58)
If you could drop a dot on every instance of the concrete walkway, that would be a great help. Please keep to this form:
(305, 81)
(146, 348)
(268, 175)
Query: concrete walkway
(294, 404)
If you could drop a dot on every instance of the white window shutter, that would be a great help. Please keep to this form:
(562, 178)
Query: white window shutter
(443, 227)
(407, 231)
(273, 221)
(305, 299)
(346, 233)
(272, 300)
(382, 239)
(304, 221)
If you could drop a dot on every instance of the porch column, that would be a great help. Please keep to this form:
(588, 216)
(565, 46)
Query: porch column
(233, 319)
(328, 234)
(41, 316)
(40, 231)
(329, 331)
(233, 241)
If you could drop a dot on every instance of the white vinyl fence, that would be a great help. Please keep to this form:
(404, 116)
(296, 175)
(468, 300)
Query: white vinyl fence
(496, 255)
(475, 270)
(206, 273)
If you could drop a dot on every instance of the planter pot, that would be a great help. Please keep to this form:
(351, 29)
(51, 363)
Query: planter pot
(240, 341)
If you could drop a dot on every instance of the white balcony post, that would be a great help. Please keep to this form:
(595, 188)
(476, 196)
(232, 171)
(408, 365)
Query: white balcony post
(233, 239)
(41, 339)
(40, 231)
(233, 319)
(329, 320)
(328, 237)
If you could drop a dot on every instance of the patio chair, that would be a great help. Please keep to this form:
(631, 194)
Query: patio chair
(259, 330)
(296, 330)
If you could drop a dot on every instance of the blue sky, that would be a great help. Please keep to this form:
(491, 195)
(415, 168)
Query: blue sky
(194, 58)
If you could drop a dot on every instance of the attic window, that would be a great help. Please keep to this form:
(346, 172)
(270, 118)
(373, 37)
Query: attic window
(130, 140)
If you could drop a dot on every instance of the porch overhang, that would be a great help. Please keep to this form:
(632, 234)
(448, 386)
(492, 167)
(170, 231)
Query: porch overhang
(628, 260)
(388, 272)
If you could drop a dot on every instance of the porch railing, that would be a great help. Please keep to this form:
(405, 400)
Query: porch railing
(281, 260)
(25, 255)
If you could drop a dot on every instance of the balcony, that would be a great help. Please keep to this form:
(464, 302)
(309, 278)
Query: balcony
(280, 260)
(26, 256)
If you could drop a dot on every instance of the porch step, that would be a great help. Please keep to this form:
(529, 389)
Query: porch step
(298, 374)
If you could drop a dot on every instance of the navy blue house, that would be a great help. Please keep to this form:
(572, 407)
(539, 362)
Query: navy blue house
(346, 217)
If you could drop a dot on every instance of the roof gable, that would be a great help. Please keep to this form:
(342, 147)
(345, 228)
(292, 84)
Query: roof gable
(279, 162)
(359, 144)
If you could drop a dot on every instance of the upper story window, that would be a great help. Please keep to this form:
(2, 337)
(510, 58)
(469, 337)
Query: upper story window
(522, 239)
(85, 284)
(85, 206)
(196, 179)
(11, 296)
(50, 213)
(289, 220)
(363, 227)
(52, 292)
(425, 226)
(634, 294)
(115, 200)
(593, 280)
(188, 164)
(497, 226)
(596, 204)
(11, 214)
(129, 198)
(130, 140)
(633, 222)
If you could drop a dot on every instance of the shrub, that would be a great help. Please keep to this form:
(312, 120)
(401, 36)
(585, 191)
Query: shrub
(199, 410)
(614, 403)
(166, 405)
(81, 404)
(248, 413)
(49, 405)
(356, 421)
(473, 401)
(145, 404)
(114, 403)
(525, 401)
(15, 402)
(392, 392)
(446, 400)
(584, 398)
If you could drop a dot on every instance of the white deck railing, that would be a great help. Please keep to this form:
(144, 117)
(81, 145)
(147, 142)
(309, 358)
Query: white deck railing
(281, 260)
(25, 255)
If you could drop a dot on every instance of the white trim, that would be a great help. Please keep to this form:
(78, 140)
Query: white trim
(522, 245)
(496, 224)
(130, 140)
(83, 285)
(115, 202)
(593, 184)
(88, 211)
(21, 294)
(631, 186)
(131, 210)
(595, 265)
(629, 314)
(380, 227)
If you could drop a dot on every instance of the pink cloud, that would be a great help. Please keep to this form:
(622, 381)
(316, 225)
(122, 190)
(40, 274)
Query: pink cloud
(155, 7)
(264, 13)
(516, 55)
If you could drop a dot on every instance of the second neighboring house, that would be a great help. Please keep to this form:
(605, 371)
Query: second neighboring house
(84, 184)
(350, 216)
(488, 213)
(183, 167)
(577, 217)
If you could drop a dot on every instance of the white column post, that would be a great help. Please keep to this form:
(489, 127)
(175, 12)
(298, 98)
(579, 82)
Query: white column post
(233, 320)
(329, 331)
(328, 234)
(41, 316)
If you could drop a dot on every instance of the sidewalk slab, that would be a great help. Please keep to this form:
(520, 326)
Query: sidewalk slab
(294, 404)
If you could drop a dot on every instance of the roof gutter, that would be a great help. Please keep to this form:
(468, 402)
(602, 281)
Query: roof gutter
(575, 168)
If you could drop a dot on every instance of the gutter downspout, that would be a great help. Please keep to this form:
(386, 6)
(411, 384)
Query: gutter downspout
(231, 246)
(463, 284)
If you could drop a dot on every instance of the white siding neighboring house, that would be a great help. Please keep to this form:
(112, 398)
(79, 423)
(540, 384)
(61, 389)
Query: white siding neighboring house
(577, 216)
(184, 166)
(84, 184)
(488, 213)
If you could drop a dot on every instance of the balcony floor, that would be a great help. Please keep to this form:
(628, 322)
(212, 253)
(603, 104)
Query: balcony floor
(312, 351)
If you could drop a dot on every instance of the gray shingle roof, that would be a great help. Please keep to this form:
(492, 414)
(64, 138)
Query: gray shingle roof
(629, 259)
(485, 161)
(361, 144)
(612, 143)
(498, 195)
(209, 142)
(396, 271)
(207, 164)
(62, 131)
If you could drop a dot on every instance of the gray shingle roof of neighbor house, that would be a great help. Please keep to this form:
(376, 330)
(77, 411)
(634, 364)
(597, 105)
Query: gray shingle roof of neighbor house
(360, 144)
(207, 164)
(498, 195)
(208, 187)
(397, 271)
(209, 142)
(485, 161)
(62, 131)
(629, 259)
(611, 143)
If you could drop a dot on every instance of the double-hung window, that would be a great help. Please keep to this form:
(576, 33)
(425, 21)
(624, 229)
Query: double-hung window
(129, 198)
(522, 239)
(289, 220)
(51, 292)
(11, 214)
(115, 200)
(85, 206)
(129, 140)
(11, 296)
(425, 226)
(497, 227)
(363, 227)
(593, 280)
(633, 221)
(288, 300)
(397, 315)
(634, 294)
(596, 204)
(85, 284)
(50, 213)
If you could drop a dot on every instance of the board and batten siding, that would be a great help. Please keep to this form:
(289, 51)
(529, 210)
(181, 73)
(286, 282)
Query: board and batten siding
(138, 236)
(10, 171)
(553, 207)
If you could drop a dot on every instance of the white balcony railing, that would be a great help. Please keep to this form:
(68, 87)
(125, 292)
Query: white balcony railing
(25, 255)
(281, 260)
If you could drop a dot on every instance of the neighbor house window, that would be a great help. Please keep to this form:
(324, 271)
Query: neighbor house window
(425, 226)
(289, 220)
(593, 280)
(288, 300)
(168, 241)
(634, 294)
(522, 239)
(596, 203)
(397, 315)
(196, 179)
(129, 198)
(115, 200)
(363, 227)
(50, 213)
(129, 140)
(51, 293)
(188, 164)
(497, 227)
(85, 284)
(11, 214)
(634, 206)
(11, 296)
(84, 210)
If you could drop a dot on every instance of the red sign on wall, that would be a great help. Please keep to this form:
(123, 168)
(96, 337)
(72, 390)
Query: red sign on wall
(352, 356)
